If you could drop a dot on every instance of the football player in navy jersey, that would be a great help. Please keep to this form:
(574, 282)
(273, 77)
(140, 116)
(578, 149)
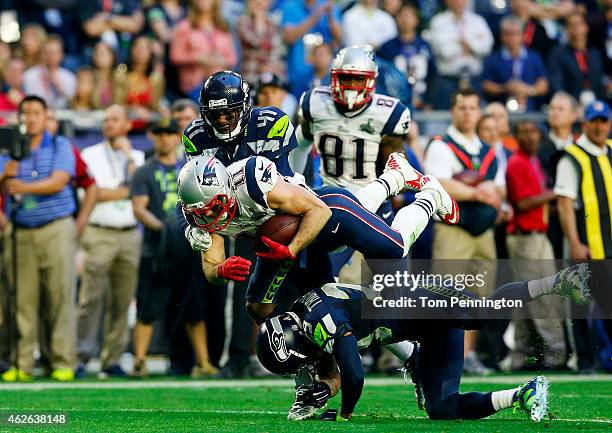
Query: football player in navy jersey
(230, 129)
(331, 320)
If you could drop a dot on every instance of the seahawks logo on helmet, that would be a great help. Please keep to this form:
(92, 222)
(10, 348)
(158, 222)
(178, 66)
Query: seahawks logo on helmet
(278, 345)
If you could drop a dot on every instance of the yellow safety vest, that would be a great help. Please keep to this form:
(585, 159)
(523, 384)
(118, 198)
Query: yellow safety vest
(594, 214)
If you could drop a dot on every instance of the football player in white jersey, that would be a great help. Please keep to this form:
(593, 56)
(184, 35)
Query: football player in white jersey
(352, 127)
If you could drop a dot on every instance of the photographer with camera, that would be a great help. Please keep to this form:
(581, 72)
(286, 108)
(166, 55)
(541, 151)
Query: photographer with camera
(41, 206)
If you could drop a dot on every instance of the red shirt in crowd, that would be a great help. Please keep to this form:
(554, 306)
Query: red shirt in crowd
(525, 178)
(82, 178)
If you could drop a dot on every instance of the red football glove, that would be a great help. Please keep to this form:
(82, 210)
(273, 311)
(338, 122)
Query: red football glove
(278, 252)
(235, 268)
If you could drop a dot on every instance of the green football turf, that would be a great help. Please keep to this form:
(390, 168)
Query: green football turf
(578, 404)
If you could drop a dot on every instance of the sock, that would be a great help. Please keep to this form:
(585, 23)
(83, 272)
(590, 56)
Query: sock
(503, 399)
(401, 350)
(515, 291)
(373, 194)
(542, 286)
(411, 220)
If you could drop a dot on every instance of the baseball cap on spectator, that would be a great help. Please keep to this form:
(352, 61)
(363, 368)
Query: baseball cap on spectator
(167, 125)
(597, 110)
(270, 79)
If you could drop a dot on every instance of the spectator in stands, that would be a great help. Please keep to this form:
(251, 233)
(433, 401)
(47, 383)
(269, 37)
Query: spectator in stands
(411, 54)
(31, 44)
(528, 243)
(392, 7)
(576, 68)
(321, 57)
(311, 21)
(201, 46)
(260, 42)
(103, 62)
(582, 188)
(460, 150)
(85, 86)
(82, 180)
(45, 244)
(562, 115)
(366, 24)
(500, 114)
(111, 243)
(535, 36)
(514, 74)
(162, 19)
(12, 86)
(139, 85)
(184, 111)
(460, 39)
(271, 90)
(115, 22)
(488, 130)
(49, 80)
(166, 269)
(5, 55)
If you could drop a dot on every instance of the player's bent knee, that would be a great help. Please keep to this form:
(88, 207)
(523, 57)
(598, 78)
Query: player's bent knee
(444, 409)
(260, 312)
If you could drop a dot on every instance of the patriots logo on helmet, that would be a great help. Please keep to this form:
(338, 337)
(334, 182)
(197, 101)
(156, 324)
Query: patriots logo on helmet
(267, 174)
(209, 176)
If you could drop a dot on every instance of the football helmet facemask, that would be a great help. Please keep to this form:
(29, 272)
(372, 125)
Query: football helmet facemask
(206, 194)
(353, 77)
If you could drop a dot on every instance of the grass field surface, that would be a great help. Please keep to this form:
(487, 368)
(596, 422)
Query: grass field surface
(577, 404)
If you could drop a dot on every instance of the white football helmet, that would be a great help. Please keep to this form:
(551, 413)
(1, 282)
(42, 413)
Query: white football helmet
(206, 194)
(353, 76)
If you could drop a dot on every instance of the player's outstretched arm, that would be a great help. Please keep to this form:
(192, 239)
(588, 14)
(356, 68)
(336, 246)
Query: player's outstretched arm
(351, 373)
(217, 269)
(295, 200)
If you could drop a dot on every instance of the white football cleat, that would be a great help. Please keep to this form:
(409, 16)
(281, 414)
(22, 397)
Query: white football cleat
(411, 178)
(447, 209)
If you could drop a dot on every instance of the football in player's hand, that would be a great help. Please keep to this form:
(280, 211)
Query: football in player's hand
(280, 228)
(469, 177)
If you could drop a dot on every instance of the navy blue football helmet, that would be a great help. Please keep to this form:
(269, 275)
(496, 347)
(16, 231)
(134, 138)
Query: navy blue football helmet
(282, 347)
(225, 104)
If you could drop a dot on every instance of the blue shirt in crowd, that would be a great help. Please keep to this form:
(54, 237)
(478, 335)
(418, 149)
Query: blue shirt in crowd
(52, 155)
(500, 68)
(299, 71)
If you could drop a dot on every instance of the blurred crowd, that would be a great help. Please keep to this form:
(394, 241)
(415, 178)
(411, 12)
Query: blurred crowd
(140, 65)
(88, 55)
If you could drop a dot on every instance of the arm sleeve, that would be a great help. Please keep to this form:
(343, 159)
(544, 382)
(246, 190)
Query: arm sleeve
(64, 157)
(566, 183)
(351, 371)
(482, 42)
(282, 164)
(139, 185)
(518, 183)
(438, 160)
(443, 42)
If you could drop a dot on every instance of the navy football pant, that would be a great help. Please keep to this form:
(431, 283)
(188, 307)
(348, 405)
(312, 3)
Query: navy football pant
(350, 225)
(441, 363)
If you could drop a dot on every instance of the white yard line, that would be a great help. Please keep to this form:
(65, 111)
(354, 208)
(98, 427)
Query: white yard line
(271, 383)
